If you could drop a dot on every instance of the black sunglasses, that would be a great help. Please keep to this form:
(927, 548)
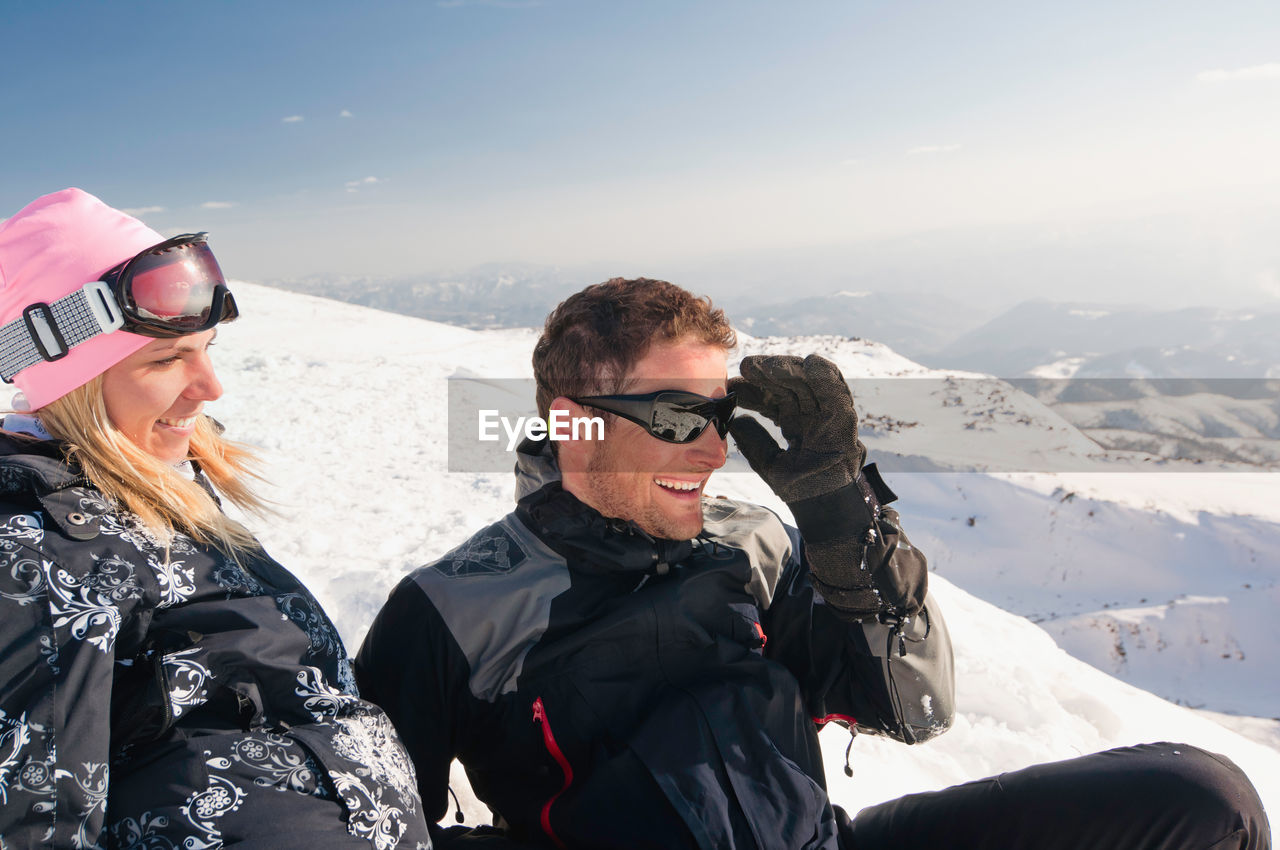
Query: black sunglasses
(673, 416)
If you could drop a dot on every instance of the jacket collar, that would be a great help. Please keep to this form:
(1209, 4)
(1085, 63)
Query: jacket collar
(31, 465)
(588, 540)
(34, 468)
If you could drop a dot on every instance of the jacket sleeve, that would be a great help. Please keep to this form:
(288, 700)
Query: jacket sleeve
(57, 653)
(895, 678)
(411, 666)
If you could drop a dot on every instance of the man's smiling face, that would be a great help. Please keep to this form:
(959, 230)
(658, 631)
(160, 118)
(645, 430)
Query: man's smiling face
(633, 475)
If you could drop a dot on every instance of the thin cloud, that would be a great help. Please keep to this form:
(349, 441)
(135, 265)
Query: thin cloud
(292, 119)
(1269, 71)
(217, 205)
(850, 163)
(928, 149)
(1269, 283)
(346, 113)
(141, 211)
(354, 185)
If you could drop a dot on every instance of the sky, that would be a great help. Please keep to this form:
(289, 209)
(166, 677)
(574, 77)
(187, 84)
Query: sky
(996, 150)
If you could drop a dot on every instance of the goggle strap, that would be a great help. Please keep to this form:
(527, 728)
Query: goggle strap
(101, 301)
(47, 332)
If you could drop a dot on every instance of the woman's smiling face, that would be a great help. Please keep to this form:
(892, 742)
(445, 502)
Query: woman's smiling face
(156, 394)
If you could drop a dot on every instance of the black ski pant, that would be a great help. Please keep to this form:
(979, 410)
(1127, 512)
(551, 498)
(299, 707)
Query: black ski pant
(1149, 797)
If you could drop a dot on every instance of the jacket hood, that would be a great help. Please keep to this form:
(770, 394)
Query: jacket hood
(536, 467)
(31, 465)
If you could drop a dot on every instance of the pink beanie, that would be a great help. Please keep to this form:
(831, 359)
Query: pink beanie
(52, 247)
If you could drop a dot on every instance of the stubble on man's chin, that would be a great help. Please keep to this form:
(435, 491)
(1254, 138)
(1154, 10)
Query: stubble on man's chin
(660, 525)
(608, 493)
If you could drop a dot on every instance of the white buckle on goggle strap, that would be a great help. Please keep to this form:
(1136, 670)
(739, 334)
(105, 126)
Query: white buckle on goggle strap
(48, 332)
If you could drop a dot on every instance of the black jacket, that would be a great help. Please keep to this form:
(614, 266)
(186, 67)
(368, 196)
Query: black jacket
(179, 699)
(605, 689)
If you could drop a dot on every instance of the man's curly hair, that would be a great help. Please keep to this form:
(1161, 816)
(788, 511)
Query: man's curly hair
(594, 337)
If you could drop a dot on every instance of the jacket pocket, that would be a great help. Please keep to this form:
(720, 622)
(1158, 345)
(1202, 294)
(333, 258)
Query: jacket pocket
(155, 687)
(370, 773)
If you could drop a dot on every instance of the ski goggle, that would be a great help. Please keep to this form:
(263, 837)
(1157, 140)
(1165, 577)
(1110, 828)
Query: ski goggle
(172, 289)
(169, 290)
(673, 416)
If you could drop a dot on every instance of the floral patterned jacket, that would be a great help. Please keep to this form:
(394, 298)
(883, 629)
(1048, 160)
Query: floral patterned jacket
(173, 699)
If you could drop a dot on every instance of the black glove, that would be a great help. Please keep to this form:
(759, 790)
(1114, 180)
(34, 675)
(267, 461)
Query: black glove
(858, 558)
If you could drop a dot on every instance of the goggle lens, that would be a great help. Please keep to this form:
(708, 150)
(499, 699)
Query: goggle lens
(173, 289)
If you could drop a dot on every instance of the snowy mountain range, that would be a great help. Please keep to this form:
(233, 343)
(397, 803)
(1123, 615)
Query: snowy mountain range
(1052, 339)
(909, 322)
(1188, 384)
(1166, 581)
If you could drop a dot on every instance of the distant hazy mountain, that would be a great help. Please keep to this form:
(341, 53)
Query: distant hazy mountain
(505, 295)
(913, 323)
(496, 295)
(1045, 339)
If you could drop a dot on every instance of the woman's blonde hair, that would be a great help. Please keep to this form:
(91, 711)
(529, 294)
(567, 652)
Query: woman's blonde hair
(164, 500)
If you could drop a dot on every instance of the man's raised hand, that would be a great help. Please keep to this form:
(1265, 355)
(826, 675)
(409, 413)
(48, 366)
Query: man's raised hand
(850, 541)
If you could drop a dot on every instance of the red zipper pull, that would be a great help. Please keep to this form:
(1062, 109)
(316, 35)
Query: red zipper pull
(549, 739)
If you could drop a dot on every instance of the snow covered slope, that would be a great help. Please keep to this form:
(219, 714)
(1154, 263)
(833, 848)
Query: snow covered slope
(1206, 425)
(348, 406)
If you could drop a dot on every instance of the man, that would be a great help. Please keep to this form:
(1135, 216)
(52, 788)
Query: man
(625, 661)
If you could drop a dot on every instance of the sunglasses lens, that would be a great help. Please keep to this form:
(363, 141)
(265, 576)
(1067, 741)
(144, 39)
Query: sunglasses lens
(674, 416)
(175, 288)
(679, 421)
(676, 423)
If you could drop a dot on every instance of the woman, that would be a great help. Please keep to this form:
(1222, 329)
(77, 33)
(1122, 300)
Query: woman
(163, 682)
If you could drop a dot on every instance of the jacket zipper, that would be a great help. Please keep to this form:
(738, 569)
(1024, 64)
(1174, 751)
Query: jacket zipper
(549, 739)
(155, 658)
